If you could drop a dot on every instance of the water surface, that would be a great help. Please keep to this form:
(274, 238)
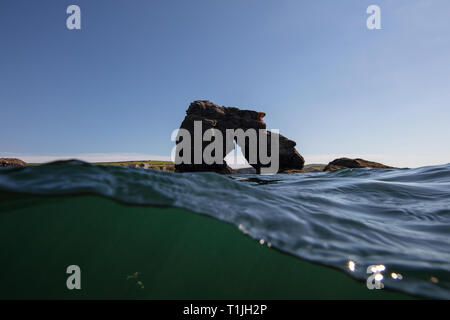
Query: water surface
(399, 219)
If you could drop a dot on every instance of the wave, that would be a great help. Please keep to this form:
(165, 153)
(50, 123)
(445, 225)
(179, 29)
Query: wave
(396, 218)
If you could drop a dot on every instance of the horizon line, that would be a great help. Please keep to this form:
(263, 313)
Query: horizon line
(236, 159)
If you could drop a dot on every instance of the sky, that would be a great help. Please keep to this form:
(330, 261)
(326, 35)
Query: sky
(117, 88)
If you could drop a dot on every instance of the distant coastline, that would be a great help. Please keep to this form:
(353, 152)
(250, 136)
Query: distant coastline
(169, 165)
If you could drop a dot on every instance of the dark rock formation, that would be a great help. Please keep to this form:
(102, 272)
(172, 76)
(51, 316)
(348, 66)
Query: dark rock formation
(222, 118)
(342, 163)
(11, 162)
(315, 167)
(249, 170)
(290, 159)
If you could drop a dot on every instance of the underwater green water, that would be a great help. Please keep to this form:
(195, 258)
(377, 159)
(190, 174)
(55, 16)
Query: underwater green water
(140, 233)
(136, 252)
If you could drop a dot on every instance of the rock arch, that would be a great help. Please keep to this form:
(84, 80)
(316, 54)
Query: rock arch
(222, 118)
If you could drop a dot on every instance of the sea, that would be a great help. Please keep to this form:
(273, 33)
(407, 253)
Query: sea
(147, 234)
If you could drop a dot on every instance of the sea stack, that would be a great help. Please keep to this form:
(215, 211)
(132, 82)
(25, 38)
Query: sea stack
(223, 118)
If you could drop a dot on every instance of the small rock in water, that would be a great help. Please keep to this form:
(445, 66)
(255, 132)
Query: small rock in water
(12, 162)
(342, 163)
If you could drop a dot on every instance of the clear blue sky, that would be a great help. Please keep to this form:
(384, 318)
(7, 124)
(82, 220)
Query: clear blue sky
(122, 83)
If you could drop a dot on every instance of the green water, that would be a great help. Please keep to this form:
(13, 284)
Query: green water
(177, 254)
